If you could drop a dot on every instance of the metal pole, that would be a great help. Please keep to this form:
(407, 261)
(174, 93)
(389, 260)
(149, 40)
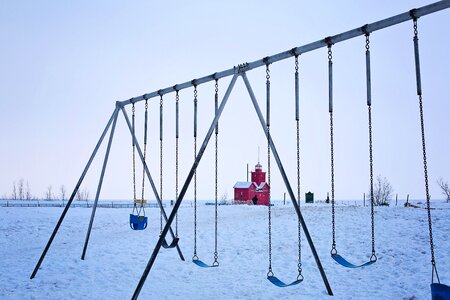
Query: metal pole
(150, 179)
(297, 91)
(177, 122)
(288, 186)
(368, 28)
(69, 202)
(247, 172)
(368, 78)
(184, 189)
(330, 81)
(417, 64)
(100, 182)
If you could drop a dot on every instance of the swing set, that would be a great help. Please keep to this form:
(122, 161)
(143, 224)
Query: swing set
(138, 219)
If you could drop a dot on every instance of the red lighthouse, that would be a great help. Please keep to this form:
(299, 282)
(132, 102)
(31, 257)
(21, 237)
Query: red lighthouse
(255, 192)
(258, 176)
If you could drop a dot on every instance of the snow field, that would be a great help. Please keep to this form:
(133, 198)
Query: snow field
(117, 256)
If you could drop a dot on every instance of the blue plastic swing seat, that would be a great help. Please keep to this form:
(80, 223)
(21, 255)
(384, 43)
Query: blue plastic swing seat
(343, 262)
(280, 283)
(440, 291)
(138, 222)
(203, 265)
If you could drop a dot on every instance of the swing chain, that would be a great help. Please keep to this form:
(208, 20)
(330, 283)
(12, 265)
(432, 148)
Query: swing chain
(134, 151)
(161, 161)
(145, 152)
(298, 197)
(134, 156)
(216, 100)
(299, 265)
(195, 93)
(177, 97)
(425, 167)
(415, 27)
(269, 273)
(373, 257)
(216, 97)
(333, 246)
(195, 257)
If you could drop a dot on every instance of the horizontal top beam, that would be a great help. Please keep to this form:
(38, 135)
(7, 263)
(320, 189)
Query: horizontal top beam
(331, 40)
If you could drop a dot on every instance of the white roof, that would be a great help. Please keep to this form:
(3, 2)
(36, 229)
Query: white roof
(261, 185)
(242, 185)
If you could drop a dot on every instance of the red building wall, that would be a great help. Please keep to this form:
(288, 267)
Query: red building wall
(241, 194)
(263, 196)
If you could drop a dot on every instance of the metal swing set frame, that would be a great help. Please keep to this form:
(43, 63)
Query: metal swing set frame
(235, 72)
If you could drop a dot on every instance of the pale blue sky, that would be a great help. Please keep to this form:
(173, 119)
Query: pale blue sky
(65, 63)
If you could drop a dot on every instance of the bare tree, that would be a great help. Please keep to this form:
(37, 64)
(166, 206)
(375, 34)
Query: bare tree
(21, 189)
(82, 195)
(62, 191)
(79, 195)
(28, 195)
(48, 193)
(14, 191)
(224, 198)
(444, 187)
(382, 191)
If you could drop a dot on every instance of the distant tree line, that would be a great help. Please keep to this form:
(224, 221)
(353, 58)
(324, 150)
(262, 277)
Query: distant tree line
(22, 191)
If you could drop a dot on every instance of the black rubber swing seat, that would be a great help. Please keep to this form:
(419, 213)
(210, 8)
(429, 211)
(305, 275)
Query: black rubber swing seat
(172, 245)
(275, 281)
(440, 291)
(343, 262)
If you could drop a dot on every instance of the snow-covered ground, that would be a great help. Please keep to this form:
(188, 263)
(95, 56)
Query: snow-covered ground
(117, 255)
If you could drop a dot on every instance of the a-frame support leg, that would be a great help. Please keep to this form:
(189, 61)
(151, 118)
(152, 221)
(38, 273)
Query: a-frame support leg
(100, 182)
(63, 214)
(149, 176)
(288, 186)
